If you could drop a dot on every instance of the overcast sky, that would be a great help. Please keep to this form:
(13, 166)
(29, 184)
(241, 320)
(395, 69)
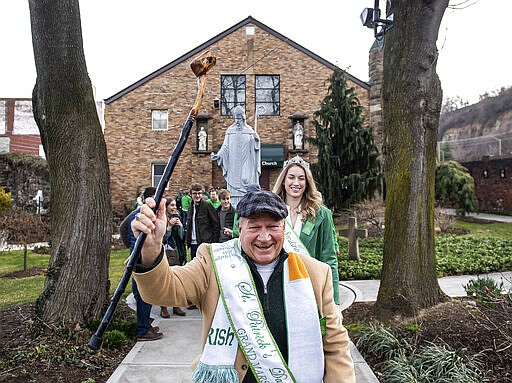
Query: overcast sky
(125, 40)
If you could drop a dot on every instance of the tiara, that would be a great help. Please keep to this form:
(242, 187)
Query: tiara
(296, 160)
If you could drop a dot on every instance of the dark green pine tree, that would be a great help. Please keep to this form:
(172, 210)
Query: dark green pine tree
(348, 170)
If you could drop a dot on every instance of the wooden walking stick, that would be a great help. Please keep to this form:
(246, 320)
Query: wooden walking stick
(200, 66)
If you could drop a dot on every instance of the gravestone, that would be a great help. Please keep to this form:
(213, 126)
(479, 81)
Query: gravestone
(353, 234)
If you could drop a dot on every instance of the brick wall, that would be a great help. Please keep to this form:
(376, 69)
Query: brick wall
(493, 192)
(132, 145)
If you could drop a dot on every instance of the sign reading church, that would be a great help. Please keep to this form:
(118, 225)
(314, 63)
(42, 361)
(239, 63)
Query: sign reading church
(272, 155)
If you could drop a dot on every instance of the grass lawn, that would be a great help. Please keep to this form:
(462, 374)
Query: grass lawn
(11, 261)
(26, 289)
(23, 290)
(499, 230)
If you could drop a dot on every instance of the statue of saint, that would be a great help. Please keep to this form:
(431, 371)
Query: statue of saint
(239, 156)
(298, 136)
(202, 138)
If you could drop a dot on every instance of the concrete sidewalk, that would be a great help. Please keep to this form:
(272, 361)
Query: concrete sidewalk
(366, 291)
(484, 216)
(169, 359)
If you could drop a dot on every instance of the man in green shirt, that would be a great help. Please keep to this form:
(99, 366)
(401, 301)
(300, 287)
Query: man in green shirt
(186, 200)
(214, 200)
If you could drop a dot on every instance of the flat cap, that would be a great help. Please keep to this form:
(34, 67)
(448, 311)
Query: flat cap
(261, 201)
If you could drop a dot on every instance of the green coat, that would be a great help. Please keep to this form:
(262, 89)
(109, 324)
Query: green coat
(186, 200)
(318, 238)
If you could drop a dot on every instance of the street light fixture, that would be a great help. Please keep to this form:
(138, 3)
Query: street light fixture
(370, 17)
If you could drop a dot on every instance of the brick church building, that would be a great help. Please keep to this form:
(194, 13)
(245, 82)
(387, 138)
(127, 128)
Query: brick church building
(256, 66)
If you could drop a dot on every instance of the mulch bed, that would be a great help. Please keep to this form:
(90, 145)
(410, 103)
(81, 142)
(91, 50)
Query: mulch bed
(54, 354)
(460, 325)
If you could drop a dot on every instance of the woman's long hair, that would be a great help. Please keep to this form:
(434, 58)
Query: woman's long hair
(169, 200)
(311, 199)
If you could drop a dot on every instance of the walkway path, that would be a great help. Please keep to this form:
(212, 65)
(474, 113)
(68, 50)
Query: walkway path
(366, 291)
(485, 216)
(169, 359)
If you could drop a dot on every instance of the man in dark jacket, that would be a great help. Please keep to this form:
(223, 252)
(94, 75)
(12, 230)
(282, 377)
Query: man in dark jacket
(226, 214)
(202, 221)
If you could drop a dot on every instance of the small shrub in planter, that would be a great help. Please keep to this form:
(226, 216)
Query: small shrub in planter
(114, 339)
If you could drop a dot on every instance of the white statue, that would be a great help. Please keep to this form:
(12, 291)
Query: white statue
(38, 199)
(298, 136)
(239, 156)
(202, 137)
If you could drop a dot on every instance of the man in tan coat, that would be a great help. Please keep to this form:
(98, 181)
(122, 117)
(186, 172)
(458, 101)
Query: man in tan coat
(268, 315)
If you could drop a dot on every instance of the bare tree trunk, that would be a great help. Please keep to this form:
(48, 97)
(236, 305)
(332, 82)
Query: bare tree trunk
(76, 287)
(412, 98)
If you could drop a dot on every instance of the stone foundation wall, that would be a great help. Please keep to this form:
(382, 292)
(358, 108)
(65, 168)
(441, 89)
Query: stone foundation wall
(23, 175)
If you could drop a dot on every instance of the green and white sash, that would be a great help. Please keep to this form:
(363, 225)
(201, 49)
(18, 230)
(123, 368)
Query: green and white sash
(292, 242)
(239, 322)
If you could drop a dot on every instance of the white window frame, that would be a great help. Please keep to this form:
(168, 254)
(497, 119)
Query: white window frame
(232, 93)
(156, 174)
(267, 95)
(157, 116)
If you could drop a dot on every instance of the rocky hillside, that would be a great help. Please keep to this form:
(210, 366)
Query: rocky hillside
(482, 129)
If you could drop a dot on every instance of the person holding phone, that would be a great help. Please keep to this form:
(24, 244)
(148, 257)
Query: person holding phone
(174, 244)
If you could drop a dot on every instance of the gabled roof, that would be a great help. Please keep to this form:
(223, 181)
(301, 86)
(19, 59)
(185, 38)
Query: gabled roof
(194, 52)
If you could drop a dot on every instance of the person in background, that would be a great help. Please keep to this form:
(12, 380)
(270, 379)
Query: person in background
(308, 218)
(206, 192)
(175, 234)
(226, 216)
(202, 222)
(178, 201)
(214, 200)
(302, 338)
(145, 331)
(186, 201)
(174, 240)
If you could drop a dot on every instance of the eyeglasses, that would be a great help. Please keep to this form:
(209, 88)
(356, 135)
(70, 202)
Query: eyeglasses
(197, 193)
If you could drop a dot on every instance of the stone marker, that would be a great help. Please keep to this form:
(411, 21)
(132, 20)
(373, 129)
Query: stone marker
(353, 234)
